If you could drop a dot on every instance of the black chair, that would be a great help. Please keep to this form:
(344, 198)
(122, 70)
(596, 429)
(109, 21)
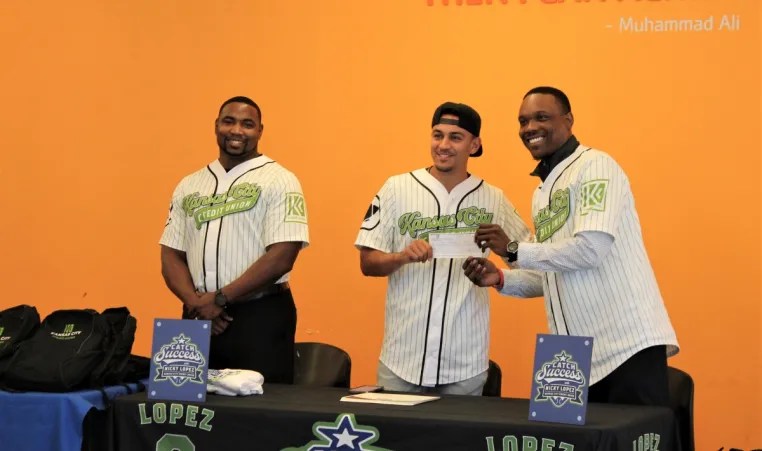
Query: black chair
(494, 380)
(681, 401)
(321, 365)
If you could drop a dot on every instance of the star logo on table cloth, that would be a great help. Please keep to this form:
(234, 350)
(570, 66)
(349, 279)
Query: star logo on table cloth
(344, 434)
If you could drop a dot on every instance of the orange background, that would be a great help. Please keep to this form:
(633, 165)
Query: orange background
(106, 106)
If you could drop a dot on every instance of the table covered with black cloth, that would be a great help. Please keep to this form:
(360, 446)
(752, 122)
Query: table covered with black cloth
(299, 418)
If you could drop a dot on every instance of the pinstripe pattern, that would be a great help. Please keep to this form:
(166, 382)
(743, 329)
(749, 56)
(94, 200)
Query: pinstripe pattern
(618, 302)
(224, 248)
(436, 329)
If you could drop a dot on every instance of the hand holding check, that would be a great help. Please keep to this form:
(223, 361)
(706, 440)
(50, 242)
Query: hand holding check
(492, 236)
(417, 251)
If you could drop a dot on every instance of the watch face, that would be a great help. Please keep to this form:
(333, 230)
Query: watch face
(513, 246)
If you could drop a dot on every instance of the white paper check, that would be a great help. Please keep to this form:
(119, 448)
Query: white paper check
(454, 245)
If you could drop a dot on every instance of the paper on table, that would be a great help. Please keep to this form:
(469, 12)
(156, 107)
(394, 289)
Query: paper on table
(454, 245)
(389, 398)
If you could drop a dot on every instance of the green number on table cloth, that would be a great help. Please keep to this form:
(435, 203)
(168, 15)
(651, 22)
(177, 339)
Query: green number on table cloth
(175, 442)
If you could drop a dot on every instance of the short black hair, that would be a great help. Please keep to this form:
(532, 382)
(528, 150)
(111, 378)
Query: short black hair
(242, 99)
(561, 98)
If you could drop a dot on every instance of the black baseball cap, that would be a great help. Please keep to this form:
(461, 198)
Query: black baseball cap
(468, 119)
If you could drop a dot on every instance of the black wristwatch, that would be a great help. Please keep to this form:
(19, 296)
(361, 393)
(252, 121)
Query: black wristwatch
(513, 251)
(220, 299)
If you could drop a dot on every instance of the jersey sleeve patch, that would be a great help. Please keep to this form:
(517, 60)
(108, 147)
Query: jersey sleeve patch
(373, 215)
(296, 209)
(592, 196)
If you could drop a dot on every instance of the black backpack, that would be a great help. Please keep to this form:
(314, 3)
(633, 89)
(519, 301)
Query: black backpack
(16, 325)
(115, 370)
(137, 370)
(122, 367)
(71, 350)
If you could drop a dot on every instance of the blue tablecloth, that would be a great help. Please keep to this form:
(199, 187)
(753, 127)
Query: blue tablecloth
(49, 421)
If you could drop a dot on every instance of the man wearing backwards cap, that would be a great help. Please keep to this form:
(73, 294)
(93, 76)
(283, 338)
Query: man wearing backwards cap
(436, 333)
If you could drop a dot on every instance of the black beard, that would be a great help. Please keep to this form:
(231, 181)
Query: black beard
(252, 151)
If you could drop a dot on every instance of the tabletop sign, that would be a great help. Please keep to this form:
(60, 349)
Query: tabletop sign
(179, 360)
(560, 379)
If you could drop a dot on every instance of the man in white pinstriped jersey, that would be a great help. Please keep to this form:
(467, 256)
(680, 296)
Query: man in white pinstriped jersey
(436, 331)
(234, 230)
(588, 260)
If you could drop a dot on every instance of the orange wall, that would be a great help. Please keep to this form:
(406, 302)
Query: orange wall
(106, 105)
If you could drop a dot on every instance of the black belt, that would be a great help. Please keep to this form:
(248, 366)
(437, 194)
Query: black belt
(267, 291)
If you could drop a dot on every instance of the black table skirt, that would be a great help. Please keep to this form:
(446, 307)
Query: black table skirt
(284, 416)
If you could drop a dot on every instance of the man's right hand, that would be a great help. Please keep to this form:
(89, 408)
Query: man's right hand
(220, 323)
(418, 251)
(481, 272)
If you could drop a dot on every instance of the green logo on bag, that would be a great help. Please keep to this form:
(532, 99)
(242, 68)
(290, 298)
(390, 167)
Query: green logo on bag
(67, 334)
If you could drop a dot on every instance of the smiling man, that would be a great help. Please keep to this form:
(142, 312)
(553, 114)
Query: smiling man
(589, 260)
(234, 230)
(436, 332)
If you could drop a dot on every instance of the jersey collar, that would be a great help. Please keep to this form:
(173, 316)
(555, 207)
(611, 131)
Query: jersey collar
(254, 163)
(551, 161)
(440, 191)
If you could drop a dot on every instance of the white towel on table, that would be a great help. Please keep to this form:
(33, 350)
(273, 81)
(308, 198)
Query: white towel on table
(219, 390)
(232, 382)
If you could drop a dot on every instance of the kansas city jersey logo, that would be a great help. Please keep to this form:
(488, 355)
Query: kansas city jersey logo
(179, 362)
(238, 198)
(551, 218)
(413, 224)
(342, 434)
(561, 381)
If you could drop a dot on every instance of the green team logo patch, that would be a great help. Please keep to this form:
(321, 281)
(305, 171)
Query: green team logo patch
(551, 218)
(592, 196)
(296, 209)
(238, 198)
(413, 224)
(344, 433)
(67, 333)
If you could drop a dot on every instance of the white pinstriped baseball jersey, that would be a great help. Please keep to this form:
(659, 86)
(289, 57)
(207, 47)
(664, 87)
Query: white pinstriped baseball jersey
(618, 302)
(437, 322)
(224, 221)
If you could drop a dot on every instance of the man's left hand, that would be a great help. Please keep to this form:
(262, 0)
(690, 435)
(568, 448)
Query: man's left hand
(493, 237)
